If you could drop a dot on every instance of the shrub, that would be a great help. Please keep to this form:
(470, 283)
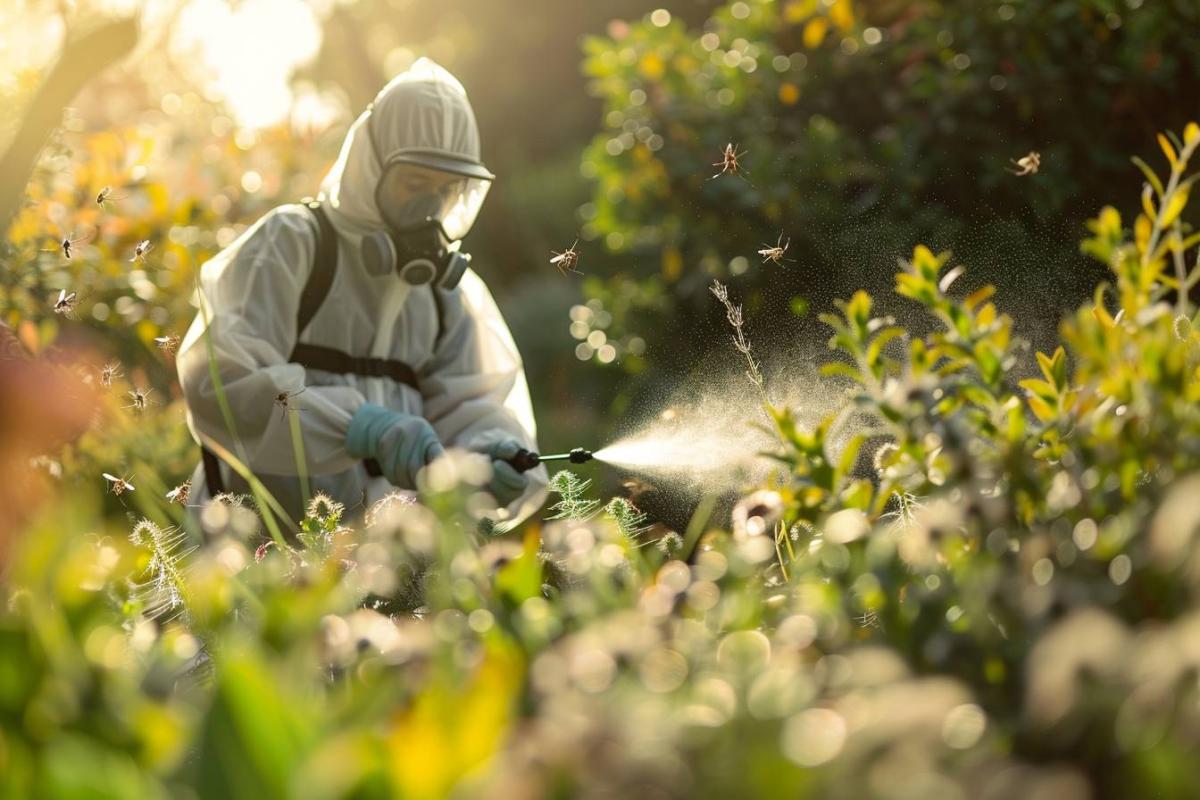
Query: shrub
(1006, 607)
(867, 127)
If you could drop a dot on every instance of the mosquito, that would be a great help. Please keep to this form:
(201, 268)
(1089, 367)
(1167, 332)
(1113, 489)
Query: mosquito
(284, 400)
(775, 254)
(1027, 165)
(869, 619)
(139, 252)
(106, 194)
(110, 371)
(180, 493)
(567, 259)
(67, 243)
(66, 303)
(636, 487)
(730, 162)
(140, 399)
(168, 344)
(52, 467)
(119, 485)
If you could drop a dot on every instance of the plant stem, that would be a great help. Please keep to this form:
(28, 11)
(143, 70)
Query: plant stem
(733, 313)
(780, 531)
(298, 449)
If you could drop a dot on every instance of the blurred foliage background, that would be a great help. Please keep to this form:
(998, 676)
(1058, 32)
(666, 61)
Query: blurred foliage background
(867, 127)
(196, 142)
(977, 579)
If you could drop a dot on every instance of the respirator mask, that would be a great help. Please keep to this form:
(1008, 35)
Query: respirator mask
(419, 254)
(428, 203)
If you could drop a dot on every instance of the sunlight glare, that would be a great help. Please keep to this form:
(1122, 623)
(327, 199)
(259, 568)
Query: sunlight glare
(249, 53)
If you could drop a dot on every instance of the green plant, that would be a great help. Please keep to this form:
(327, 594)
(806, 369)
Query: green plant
(868, 127)
(1003, 603)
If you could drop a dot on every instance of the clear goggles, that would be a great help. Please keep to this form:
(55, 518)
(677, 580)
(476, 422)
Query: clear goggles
(420, 185)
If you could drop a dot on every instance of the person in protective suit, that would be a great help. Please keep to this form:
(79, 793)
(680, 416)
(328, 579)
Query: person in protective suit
(361, 311)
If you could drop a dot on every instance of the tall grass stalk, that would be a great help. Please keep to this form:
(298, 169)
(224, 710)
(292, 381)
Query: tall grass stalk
(298, 449)
(266, 501)
(697, 524)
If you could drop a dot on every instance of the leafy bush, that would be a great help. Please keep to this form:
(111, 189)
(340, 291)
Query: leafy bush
(1004, 607)
(866, 127)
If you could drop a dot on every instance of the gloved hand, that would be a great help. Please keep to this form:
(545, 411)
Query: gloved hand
(507, 483)
(401, 443)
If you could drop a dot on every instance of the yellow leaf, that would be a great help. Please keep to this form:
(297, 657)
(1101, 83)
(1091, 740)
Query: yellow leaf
(160, 201)
(1040, 408)
(978, 296)
(814, 32)
(26, 226)
(1047, 365)
(859, 308)
(147, 330)
(1165, 144)
(1175, 207)
(1191, 133)
(1186, 244)
(1147, 205)
(842, 15)
(1038, 388)
(1109, 222)
(451, 730)
(798, 10)
(652, 66)
(910, 284)
(1141, 232)
(672, 263)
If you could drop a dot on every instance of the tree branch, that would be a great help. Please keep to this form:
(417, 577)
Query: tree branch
(81, 61)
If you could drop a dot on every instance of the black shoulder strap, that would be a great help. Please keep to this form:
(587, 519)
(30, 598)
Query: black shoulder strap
(325, 262)
(329, 359)
(316, 289)
(212, 472)
(325, 265)
(440, 305)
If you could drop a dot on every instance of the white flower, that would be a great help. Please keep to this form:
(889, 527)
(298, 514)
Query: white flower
(756, 513)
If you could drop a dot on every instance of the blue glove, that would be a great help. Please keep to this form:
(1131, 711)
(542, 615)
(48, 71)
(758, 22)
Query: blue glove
(401, 443)
(507, 484)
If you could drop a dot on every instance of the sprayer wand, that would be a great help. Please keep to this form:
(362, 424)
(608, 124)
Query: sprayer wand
(526, 460)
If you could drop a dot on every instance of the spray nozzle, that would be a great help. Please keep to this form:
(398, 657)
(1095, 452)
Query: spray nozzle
(526, 460)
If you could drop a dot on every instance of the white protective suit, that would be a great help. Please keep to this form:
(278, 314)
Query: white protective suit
(472, 383)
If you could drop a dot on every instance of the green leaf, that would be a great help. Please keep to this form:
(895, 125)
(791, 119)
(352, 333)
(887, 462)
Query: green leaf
(1040, 408)
(1039, 387)
(847, 460)
(926, 264)
(1054, 367)
(915, 286)
(880, 341)
(254, 734)
(841, 368)
(1150, 176)
(858, 310)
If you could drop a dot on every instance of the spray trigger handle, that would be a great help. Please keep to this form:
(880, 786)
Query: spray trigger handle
(525, 460)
